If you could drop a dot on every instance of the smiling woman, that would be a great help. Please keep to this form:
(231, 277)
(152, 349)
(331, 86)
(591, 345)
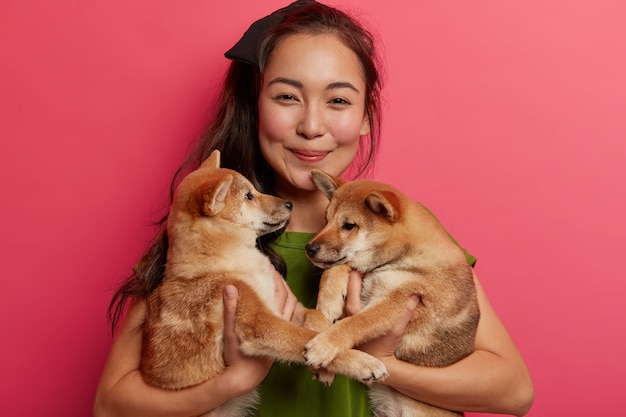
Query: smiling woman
(311, 109)
(505, 117)
(309, 100)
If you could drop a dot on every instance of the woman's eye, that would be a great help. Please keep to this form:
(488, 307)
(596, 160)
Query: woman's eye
(285, 97)
(249, 196)
(348, 226)
(339, 101)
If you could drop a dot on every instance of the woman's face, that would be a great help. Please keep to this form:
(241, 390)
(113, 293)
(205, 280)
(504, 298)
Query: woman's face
(311, 109)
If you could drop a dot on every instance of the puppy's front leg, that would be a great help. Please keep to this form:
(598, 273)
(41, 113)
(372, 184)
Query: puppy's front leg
(373, 321)
(313, 319)
(269, 335)
(333, 291)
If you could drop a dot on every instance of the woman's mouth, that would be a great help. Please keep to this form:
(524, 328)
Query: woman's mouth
(309, 156)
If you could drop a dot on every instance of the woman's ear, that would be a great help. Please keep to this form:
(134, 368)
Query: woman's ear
(365, 125)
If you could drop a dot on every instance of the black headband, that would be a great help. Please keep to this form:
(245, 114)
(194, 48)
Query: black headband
(246, 49)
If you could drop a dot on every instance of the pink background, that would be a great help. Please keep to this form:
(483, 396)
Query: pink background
(507, 118)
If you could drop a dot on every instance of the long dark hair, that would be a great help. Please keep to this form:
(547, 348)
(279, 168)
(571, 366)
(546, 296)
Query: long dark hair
(234, 131)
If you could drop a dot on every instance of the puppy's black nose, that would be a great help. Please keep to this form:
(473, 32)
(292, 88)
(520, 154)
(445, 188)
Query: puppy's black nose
(289, 204)
(312, 249)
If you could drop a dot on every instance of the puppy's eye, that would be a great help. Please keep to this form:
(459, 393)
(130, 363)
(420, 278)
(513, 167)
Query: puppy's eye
(249, 196)
(348, 226)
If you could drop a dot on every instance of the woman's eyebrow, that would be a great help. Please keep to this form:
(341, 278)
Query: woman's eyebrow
(288, 81)
(298, 84)
(341, 84)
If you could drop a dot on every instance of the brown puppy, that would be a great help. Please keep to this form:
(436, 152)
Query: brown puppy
(402, 250)
(214, 222)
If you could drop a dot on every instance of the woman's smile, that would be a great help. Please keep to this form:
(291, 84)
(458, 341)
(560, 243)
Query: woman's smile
(309, 156)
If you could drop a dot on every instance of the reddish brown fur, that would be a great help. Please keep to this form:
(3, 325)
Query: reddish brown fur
(214, 221)
(402, 250)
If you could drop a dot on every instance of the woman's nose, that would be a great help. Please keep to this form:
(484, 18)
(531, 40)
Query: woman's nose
(311, 124)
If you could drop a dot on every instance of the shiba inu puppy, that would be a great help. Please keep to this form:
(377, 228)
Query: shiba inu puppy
(214, 222)
(402, 250)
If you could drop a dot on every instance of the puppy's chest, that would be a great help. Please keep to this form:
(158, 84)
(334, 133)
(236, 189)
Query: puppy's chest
(244, 265)
(255, 270)
(380, 284)
(261, 279)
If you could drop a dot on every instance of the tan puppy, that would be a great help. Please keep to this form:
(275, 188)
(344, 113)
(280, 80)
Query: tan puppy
(214, 222)
(402, 250)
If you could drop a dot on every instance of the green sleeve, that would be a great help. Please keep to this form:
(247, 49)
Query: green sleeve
(471, 259)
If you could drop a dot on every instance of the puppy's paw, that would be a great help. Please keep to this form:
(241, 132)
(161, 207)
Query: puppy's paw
(367, 368)
(375, 373)
(360, 366)
(320, 351)
(323, 375)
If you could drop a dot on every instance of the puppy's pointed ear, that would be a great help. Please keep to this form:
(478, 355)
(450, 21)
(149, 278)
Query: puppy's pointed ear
(214, 197)
(325, 182)
(383, 203)
(213, 161)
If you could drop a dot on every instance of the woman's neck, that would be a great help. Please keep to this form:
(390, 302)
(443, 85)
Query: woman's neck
(309, 209)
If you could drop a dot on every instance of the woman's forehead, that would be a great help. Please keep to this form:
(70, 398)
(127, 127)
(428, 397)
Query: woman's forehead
(314, 57)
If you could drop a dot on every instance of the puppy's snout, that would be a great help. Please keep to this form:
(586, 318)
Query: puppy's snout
(289, 205)
(312, 249)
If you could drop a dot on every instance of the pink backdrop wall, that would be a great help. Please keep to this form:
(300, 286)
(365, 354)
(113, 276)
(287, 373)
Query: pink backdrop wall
(507, 118)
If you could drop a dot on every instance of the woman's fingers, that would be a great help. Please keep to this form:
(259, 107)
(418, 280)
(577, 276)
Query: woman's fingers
(246, 371)
(385, 345)
(409, 309)
(353, 296)
(283, 297)
(231, 344)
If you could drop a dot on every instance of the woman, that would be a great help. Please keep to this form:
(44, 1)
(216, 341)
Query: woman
(302, 92)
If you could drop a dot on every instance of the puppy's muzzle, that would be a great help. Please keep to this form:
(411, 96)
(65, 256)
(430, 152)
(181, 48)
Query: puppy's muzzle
(312, 249)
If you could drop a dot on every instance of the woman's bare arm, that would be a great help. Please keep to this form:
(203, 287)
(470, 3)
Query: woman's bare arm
(493, 379)
(123, 392)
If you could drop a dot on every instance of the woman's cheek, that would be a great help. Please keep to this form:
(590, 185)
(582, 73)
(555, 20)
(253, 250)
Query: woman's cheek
(346, 130)
(275, 124)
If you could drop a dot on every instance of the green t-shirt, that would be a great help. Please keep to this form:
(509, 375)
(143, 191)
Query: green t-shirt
(289, 390)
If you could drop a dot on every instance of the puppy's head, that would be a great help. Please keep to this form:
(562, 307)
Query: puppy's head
(361, 219)
(223, 198)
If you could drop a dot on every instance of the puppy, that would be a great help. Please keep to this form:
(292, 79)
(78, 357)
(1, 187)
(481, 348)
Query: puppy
(213, 226)
(402, 250)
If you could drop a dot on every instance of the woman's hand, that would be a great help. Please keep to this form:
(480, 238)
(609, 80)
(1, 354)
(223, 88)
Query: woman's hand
(384, 346)
(245, 372)
(248, 372)
(284, 299)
